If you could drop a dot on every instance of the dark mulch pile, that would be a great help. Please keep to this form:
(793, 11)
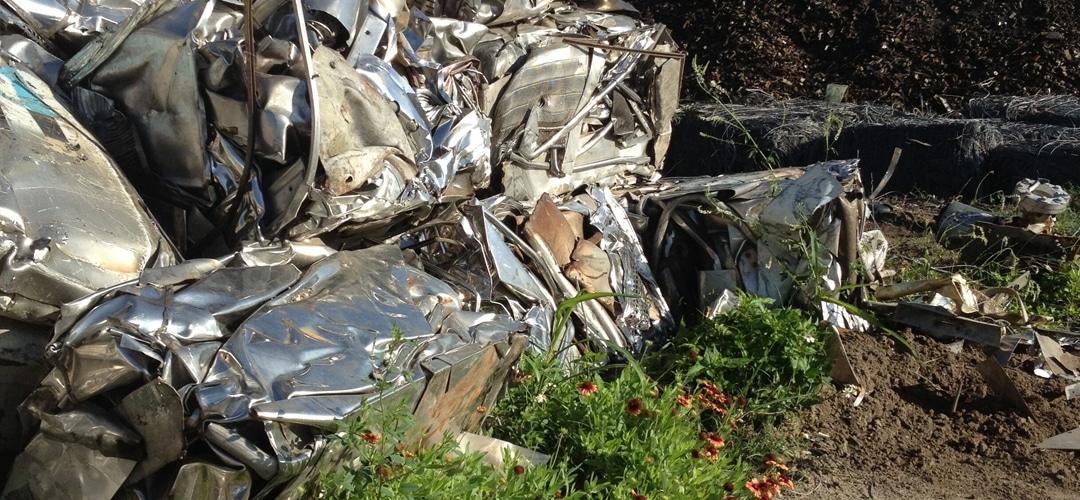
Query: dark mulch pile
(927, 55)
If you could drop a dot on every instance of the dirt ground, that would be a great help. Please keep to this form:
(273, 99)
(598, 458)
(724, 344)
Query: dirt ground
(905, 440)
(928, 55)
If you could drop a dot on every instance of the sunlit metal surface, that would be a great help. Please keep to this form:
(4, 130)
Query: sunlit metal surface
(365, 204)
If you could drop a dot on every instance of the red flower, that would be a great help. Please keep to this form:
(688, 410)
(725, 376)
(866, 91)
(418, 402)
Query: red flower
(774, 486)
(520, 377)
(760, 489)
(519, 469)
(784, 480)
(404, 450)
(692, 355)
(586, 388)
(771, 461)
(370, 437)
(636, 496)
(683, 400)
(710, 405)
(633, 407)
(714, 439)
(384, 472)
(742, 401)
(729, 487)
(711, 453)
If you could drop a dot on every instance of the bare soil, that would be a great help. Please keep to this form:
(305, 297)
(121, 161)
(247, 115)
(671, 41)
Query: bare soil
(904, 440)
(929, 426)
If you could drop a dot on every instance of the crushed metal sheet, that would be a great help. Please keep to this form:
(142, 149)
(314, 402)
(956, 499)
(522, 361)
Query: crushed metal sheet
(1057, 360)
(939, 322)
(1072, 391)
(750, 231)
(1001, 384)
(1065, 441)
(57, 252)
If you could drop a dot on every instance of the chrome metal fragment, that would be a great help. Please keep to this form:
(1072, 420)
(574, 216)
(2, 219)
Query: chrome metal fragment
(783, 234)
(70, 223)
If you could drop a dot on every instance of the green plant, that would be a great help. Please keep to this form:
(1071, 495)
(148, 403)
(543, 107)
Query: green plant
(382, 465)
(767, 159)
(831, 129)
(626, 435)
(1059, 294)
(774, 357)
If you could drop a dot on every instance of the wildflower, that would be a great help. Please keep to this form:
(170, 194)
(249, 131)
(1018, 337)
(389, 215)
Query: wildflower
(772, 484)
(633, 407)
(809, 339)
(742, 401)
(637, 496)
(586, 388)
(648, 460)
(683, 400)
(714, 439)
(692, 355)
(541, 398)
(711, 452)
(650, 414)
(711, 405)
(370, 437)
(520, 377)
(558, 494)
(384, 472)
(760, 489)
(404, 450)
(519, 469)
(784, 480)
(729, 487)
(732, 424)
(771, 461)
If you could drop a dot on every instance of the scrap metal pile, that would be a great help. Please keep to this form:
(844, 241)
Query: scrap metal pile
(228, 228)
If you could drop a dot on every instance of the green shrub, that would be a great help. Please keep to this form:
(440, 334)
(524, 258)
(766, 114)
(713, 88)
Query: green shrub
(775, 358)
(384, 467)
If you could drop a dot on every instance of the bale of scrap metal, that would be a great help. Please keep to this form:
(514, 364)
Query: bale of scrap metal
(361, 191)
(243, 365)
(787, 234)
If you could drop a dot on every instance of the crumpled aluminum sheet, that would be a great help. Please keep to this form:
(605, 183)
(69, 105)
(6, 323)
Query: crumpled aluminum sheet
(461, 94)
(223, 376)
(74, 22)
(756, 232)
(70, 223)
(208, 354)
(548, 259)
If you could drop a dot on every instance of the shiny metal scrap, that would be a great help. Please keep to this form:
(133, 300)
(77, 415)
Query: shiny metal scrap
(70, 223)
